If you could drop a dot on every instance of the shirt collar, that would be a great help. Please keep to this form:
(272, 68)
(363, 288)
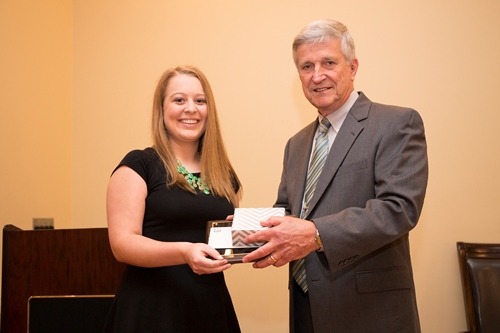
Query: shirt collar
(337, 117)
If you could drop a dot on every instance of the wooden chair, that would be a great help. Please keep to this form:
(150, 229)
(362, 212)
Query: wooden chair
(480, 271)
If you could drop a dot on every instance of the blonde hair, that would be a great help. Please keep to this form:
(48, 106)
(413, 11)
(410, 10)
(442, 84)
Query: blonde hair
(216, 170)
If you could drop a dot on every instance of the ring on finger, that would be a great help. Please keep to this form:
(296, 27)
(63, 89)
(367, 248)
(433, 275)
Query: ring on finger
(272, 258)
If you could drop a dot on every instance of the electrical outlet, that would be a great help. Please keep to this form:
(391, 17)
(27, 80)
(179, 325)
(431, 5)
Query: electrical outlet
(43, 223)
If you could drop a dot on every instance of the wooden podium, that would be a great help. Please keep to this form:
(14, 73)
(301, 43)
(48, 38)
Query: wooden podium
(53, 263)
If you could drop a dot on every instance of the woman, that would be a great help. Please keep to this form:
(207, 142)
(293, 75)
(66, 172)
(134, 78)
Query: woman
(158, 203)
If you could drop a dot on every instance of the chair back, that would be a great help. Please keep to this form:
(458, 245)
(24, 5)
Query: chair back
(480, 271)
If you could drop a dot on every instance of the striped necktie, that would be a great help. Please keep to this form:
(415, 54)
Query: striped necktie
(318, 160)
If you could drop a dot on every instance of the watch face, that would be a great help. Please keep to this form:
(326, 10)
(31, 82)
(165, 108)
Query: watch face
(317, 239)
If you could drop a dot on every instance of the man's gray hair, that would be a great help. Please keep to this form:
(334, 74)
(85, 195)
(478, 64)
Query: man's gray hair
(324, 31)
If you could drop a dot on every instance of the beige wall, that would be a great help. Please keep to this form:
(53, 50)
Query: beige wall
(36, 65)
(76, 85)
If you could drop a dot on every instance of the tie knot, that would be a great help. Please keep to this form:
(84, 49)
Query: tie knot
(324, 125)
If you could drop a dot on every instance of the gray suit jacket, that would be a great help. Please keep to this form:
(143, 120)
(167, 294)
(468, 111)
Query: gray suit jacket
(369, 196)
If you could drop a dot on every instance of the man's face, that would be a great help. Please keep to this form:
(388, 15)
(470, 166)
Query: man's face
(327, 79)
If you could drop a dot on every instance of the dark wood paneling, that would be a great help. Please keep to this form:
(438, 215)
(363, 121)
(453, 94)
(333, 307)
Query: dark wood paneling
(53, 263)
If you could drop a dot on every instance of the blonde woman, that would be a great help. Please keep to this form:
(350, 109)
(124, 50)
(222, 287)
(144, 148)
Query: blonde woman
(158, 203)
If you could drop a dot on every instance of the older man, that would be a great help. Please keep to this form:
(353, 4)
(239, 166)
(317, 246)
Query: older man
(353, 184)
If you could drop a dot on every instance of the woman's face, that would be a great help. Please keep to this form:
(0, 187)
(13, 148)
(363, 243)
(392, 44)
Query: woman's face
(184, 109)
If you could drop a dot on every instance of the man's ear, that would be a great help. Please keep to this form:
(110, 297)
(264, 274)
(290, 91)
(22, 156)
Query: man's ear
(354, 67)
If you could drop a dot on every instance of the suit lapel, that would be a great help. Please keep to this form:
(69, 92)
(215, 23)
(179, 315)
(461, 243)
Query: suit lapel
(347, 135)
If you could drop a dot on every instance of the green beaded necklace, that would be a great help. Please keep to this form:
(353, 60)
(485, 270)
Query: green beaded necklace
(194, 182)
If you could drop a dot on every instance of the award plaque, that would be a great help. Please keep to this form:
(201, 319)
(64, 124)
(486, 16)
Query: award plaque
(227, 236)
(219, 236)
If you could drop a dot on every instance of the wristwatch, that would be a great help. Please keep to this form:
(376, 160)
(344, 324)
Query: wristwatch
(317, 239)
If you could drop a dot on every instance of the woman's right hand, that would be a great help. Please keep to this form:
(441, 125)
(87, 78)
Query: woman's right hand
(204, 259)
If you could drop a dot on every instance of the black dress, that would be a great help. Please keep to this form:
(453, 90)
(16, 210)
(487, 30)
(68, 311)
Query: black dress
(173, 298)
